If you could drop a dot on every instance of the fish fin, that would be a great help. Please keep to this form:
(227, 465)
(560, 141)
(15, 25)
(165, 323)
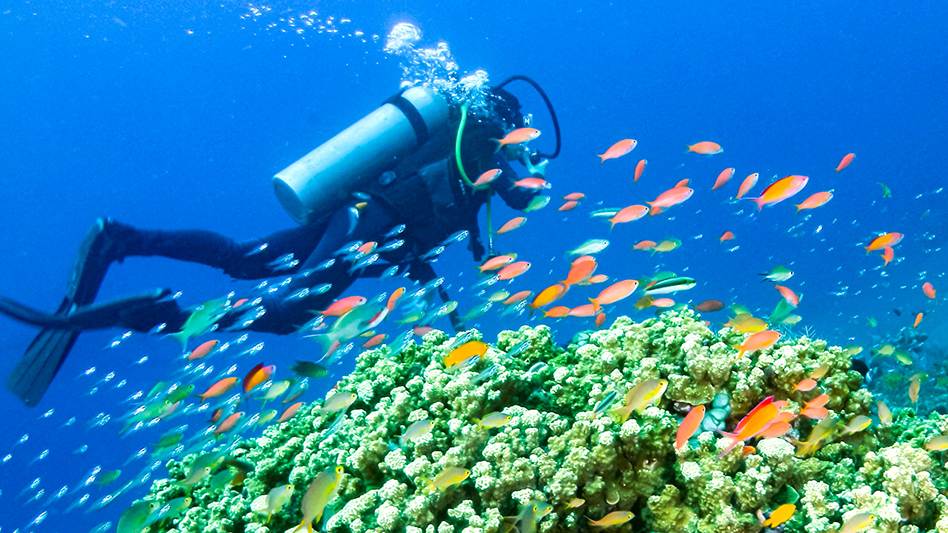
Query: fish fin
(500, 145)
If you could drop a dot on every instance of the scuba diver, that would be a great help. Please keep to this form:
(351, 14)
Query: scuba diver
(403, 175)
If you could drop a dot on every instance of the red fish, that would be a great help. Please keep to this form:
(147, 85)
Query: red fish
(705, 148)
(918, 319)
(374, 341)
(517, 136)
(512, 224)
(644, 245)
(709, 306)
(618, 149)
(219, 388)
(513, 270)
(393, 299)
(689, 425)
(815, 200)
(670, 198)
(574, 197)
(726, 237)
(518, 297)
(757, 341)
(788, 295)
(600, 319)
(568, 206)
(747, 185)
(228, 423)
(497, 262)
(533, 184)
(888, 254)
(579, 271)
(583, 311)
(343, 306)
(639, 169)
(929, 290)
(779, 191)
(723, 178)
(847, 159)
(628, 214)
(486, 178)
(202, 350)
(290, 412)
(556, 312)
(615, 292)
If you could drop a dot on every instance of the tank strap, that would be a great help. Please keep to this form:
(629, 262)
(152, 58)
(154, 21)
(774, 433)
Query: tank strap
(411, 113)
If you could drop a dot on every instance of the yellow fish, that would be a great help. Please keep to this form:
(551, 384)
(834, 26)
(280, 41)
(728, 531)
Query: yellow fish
(319, 493)
(465, 352)
(449, 476)
(493, 420)
(614, 518)
(746, 323)
(857, 523)
(780, 515)
(416, 431)
(641, 396)
(337, 402)
(277, 498)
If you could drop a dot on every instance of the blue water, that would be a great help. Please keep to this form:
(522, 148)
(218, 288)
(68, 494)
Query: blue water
(176, 115)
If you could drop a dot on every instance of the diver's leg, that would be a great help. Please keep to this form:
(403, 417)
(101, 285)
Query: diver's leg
(284, 314)
(249, 259)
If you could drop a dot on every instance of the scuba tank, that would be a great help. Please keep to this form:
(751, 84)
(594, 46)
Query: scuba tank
(321, 180)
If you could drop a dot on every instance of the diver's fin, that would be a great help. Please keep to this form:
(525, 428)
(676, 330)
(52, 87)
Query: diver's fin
(95, 316)
(42, 359)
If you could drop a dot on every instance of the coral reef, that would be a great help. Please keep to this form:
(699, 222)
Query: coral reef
(560, 457)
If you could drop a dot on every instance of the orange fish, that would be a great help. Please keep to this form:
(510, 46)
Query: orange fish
(422, 329)
(880, 242)
(518, 297)
(517, 136)
(726, 237)
(780, 515)
(228, 423)
(788, 295)
(628, 214)
(600, 319)
(513, 270)
(343, 306)
(547, 296)
(747, 185)
(486, 178)
(705, 148)
(568, 206)
(615, 292)
(393, 299)
(574, 197)
(556, 312)
(644, 245)
(689, 425)
(888, 254)
(806, 384)
(598, 278)
(779, 191)
(579, 271)
(497, 262)
(639, 169)
(207, 347)
(918, 320)
(847, 159)
(257, 375)
(757, 341)
(618, 149)
(929, 290)
(290, 411)
(583, 311)
(669, 198)
(753, 424)
(815, 200)
(723, 178)
(374, 341)
(511, 225)
(219, 388)
(662, 303)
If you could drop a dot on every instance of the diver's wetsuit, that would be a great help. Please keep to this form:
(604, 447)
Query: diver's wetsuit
(428, 221)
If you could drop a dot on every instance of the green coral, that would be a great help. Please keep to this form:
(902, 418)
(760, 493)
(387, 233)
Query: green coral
(557, 448)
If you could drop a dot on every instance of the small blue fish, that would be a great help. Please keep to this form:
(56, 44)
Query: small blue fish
(456, 237)
(486, 373)
(257, 249)
(395, 231)
(605, 403)
(391, 246)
